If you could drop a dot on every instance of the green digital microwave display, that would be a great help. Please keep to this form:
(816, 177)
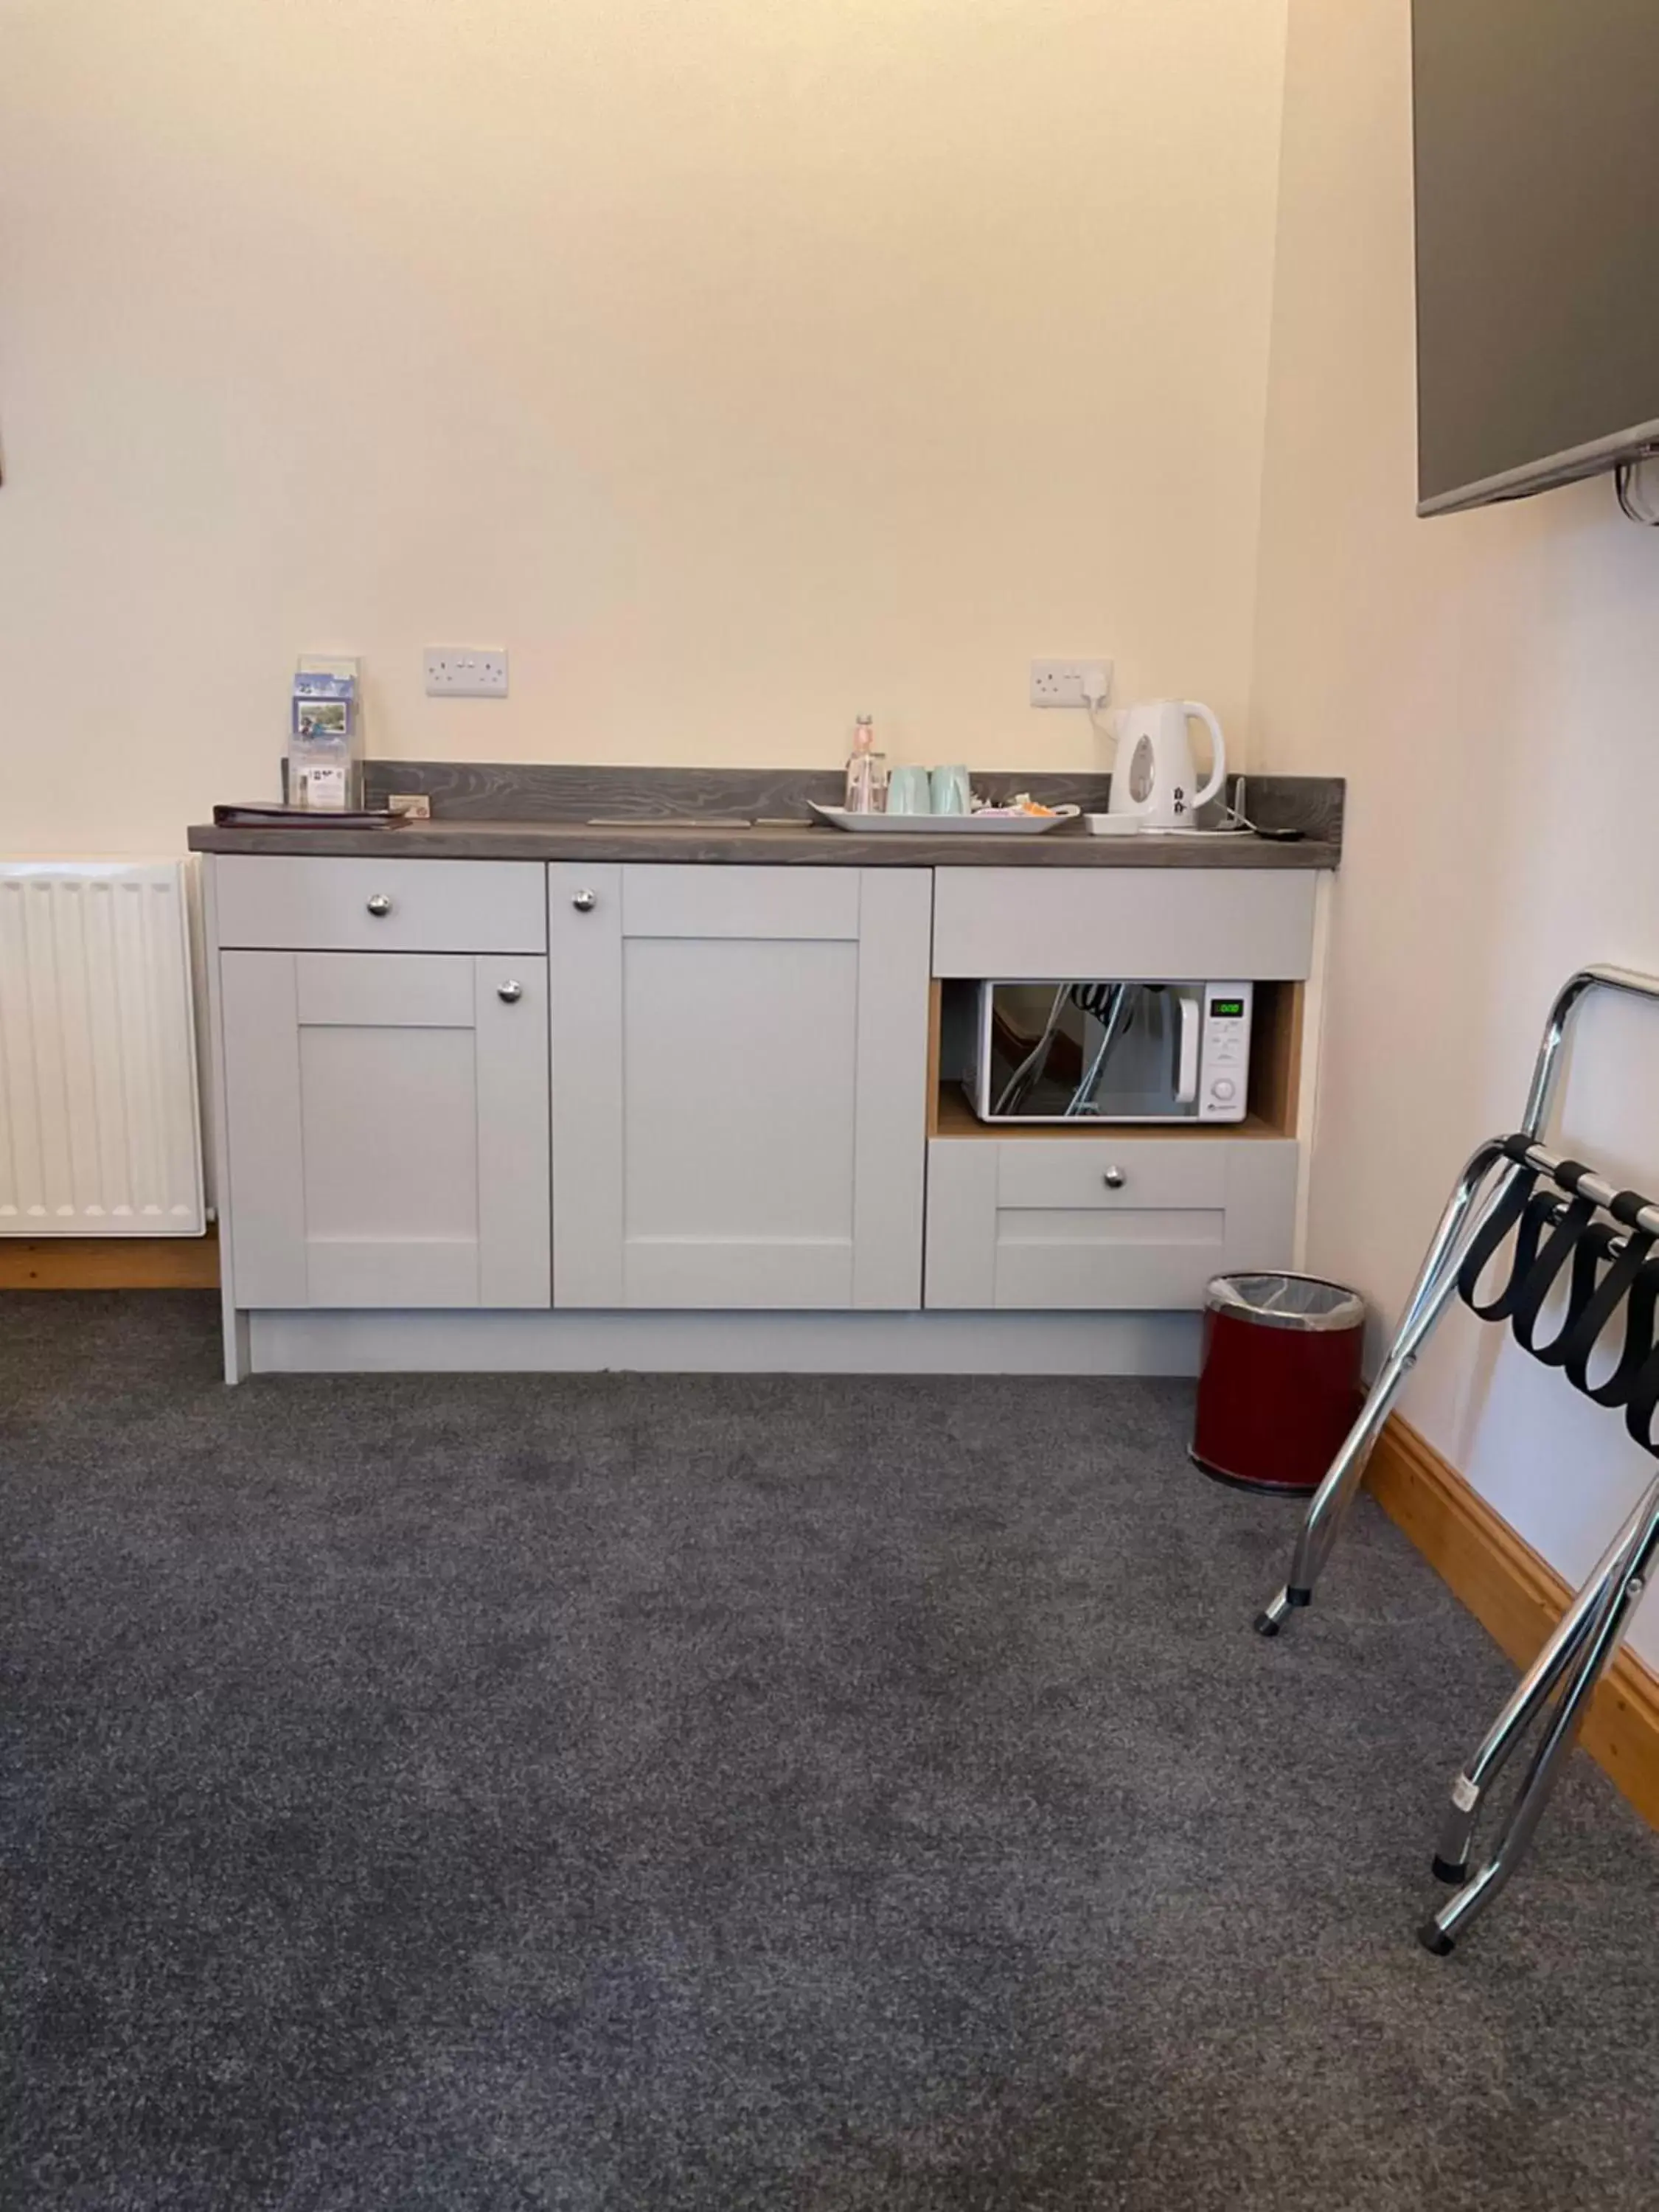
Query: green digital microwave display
(1224, 1009)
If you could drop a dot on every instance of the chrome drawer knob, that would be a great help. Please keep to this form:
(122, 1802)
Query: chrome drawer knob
(1114, 1178)
(379, 905)
(510, 993)
(584, 901)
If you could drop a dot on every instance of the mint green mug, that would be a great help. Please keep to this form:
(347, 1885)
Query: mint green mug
(909, 792)
(951, 791)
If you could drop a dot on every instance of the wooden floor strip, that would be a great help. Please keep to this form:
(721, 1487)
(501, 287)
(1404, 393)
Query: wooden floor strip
(110, 1263)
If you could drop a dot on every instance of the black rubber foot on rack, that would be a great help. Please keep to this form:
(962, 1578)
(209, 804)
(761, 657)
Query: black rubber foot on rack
(1455, 1871)
(1434, 1938)
(1266, 1625)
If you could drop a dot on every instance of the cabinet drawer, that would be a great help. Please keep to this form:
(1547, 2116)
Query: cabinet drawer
(1178, 925)
(1072, 1171)
(299, 902)
(1030, 1222)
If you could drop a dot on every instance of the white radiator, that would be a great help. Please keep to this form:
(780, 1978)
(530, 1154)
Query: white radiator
(99, 1130)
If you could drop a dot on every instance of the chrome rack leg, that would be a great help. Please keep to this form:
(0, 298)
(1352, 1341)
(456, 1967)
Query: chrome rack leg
(1605, 1634)
(1528, 1699)
(1430, 1296)
(1336, 1493)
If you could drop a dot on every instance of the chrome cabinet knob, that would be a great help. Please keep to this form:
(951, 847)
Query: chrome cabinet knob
(379, 905)
(1114, 1178)
(584, 901)
(510, 993)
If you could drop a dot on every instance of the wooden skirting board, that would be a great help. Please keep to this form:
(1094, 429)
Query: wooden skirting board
(110, 1263)
(1515, 1596)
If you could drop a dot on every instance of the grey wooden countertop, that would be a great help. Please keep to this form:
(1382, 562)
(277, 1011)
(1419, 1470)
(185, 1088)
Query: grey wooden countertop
(557, 811)
(766, 845)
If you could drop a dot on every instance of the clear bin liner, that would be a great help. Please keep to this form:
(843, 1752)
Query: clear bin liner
(1302, 1301)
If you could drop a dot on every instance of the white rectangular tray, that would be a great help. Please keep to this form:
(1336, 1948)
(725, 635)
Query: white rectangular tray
(940, 825)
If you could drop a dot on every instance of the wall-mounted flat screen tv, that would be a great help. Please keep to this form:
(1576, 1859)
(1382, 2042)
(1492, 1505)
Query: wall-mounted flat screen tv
(1537, 144)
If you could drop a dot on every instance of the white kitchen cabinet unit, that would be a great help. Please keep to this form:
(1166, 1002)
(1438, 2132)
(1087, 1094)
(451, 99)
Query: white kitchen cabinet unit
(483, 1110)
(386, 1115)
(739, 1086)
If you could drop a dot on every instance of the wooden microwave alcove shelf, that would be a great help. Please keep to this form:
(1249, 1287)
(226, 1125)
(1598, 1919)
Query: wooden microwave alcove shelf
(1275, 1078)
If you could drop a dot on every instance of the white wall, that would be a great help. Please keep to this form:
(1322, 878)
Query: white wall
(1490, 683)
(739, 366)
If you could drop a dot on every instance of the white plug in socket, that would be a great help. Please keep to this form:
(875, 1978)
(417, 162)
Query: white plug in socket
(1070, 683)
(465, 672)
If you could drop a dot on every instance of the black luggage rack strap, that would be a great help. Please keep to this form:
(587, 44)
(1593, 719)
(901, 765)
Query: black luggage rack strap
(1609, 1236)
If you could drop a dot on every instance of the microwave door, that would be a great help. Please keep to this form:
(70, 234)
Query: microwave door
(1087, 1053)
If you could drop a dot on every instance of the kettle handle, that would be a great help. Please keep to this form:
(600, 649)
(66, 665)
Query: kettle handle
(1218, 772)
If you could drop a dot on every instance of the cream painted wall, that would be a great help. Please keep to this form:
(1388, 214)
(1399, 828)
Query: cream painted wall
(739, 366)
(1490, 683)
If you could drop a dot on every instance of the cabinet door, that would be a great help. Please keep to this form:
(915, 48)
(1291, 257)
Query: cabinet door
(386, 1116)
(739, 1086)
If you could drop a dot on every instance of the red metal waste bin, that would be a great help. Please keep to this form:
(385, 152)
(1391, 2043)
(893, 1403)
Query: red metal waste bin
(1279, 1385)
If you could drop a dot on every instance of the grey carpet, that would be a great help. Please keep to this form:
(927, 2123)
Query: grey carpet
(718, 1792)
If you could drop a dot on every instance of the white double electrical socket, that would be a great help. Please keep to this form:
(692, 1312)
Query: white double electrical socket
(1070, 683)
(465, 672)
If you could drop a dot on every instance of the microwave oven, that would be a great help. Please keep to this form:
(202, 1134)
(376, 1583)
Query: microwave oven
(1111, 1051)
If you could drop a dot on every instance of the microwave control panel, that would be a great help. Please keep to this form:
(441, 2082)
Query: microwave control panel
(1225, 1077)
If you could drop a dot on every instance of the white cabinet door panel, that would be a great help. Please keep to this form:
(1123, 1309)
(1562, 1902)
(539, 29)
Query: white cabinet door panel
(755, 903)
(584, 983)
(515, 1178)
(265, 1158)
(759, 1274)
(739, 1065)
(739, 1076)
(415, 990)
(889, 1164)
(387, 1128)
(389, 1147)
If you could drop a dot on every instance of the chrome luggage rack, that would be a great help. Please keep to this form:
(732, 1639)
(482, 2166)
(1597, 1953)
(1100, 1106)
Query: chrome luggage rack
(1551, 1210)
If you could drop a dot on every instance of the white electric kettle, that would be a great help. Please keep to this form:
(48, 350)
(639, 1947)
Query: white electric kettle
(1154, 776)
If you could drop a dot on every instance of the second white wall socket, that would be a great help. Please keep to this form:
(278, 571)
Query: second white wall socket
(465, 672)
(1069, 683)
